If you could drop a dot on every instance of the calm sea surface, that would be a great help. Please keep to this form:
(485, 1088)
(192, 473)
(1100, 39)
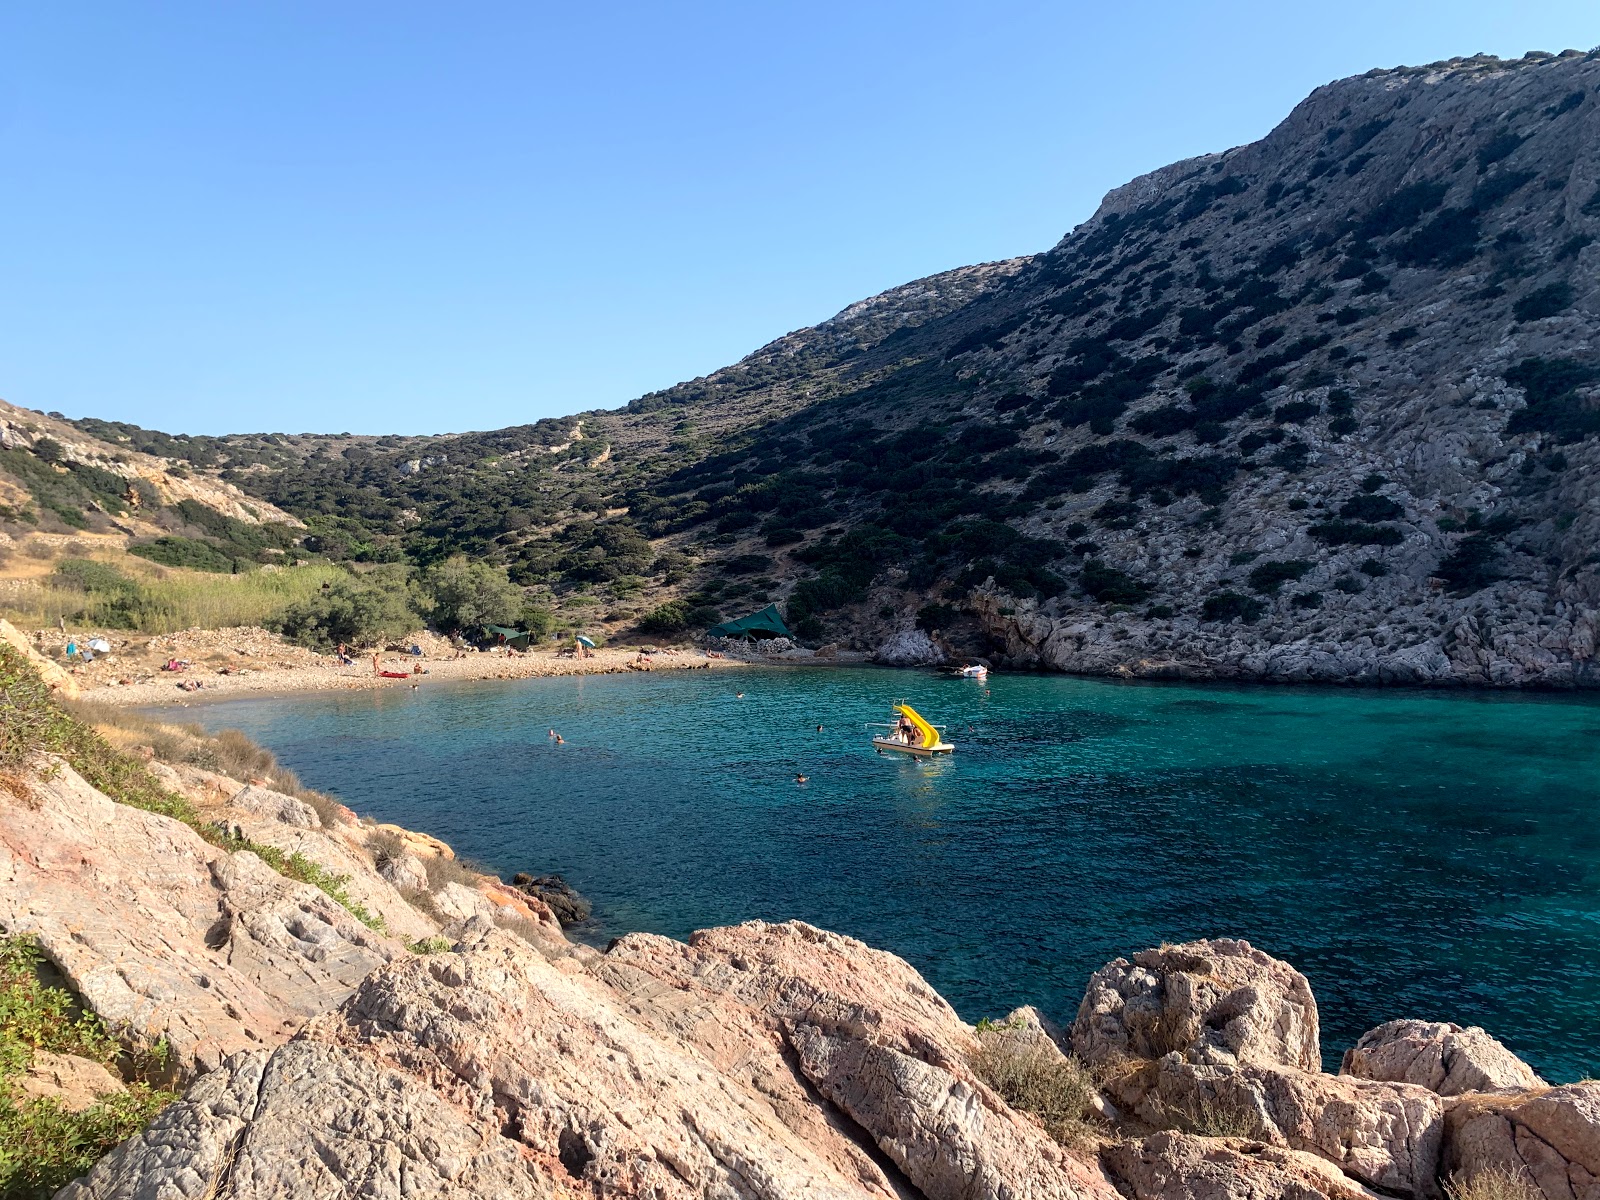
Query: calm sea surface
(1415, 854)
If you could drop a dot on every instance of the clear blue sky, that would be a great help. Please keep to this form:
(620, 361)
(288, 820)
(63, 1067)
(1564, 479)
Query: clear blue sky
(409, 217)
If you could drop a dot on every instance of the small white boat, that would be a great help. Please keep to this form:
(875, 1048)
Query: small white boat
(911, 734)
(973, 671)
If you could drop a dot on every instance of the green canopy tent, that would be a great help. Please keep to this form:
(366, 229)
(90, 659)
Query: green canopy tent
(764, 624)
(501, 635)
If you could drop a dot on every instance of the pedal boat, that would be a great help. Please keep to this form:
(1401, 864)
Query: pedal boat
(921, 739)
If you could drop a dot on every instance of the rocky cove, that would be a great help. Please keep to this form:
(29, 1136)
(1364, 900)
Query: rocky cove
(433, 1032)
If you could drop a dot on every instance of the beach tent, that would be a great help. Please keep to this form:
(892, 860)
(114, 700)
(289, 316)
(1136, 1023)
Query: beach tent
(501, 635)
(764, 624)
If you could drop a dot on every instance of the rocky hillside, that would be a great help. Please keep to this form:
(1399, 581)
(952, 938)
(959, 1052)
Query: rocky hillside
(1320, 407)
(59, 478)
(349, 1012)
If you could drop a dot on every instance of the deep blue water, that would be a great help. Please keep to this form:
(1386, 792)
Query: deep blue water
(1416, 854)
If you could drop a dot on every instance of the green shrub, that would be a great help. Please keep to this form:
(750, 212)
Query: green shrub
(1270, 576)
(462, 595)
(191, 553)
(671, 617)
(1108, 585)
(1368, 507)
(1231, 606)
(360, 610)
(1543, 302)
(1295, 412)
(1355, 533)
(1448, 240)
(1472, 565)
(42, 1145)
(1554, 406)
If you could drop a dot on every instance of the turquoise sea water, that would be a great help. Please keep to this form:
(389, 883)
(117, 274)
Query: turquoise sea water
(1416, 854)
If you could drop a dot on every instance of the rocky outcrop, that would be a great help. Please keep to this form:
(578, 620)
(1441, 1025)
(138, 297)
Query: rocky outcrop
(1217, 1002)
(909, 648)
(1549, 1136)
(167, 936)
(1180, 1166)
(56, 677)
(72, 1082)
(1388, 1135)
(1439, 1056)
(559, 896)
(310, 1120)
(869, 1033)
(658, 1069)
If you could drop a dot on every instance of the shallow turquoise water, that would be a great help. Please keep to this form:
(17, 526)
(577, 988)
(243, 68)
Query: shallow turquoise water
(1415, 854)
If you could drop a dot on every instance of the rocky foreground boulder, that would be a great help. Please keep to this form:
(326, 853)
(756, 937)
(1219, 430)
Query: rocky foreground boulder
(1216, 1002)
(1441, 1056)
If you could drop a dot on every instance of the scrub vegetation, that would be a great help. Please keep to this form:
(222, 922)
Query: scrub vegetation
(32, 723)
(43, 1144)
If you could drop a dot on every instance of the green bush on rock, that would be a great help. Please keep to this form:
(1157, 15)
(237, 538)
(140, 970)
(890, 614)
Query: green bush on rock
(43, 1144)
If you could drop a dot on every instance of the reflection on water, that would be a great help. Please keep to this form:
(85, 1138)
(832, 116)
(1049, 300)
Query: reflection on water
(1416, 854)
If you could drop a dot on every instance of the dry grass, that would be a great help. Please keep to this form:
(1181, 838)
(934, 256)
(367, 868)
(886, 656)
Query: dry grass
(385, 848)
(1211, 1116)
(1032, 1075)
(1493, 1183)
(167, 599)
(442, 871)
(229, 752)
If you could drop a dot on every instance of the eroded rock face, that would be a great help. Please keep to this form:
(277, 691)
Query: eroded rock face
(163, 934)
(1218, 1002)
(877, 1041)
(1387, 1135)
(909, 648)
(1182, 1166)
(659, 1070)
(311, 1120)
(1439, 1056)
(72, 1082)
(1549, 1136)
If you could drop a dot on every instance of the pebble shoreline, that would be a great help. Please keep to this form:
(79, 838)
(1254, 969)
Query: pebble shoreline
(330, 676)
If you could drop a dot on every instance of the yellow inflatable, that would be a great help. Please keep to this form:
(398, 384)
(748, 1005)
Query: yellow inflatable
(912, 734)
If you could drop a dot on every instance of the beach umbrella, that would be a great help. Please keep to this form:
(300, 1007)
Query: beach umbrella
(583, 641)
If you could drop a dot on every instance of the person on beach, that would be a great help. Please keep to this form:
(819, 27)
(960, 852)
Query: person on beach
(376, 670)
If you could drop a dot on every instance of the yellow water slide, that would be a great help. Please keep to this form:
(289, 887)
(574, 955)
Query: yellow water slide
(929, 735)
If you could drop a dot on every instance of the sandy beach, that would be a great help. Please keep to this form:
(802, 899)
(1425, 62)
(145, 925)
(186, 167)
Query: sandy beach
(224, 663)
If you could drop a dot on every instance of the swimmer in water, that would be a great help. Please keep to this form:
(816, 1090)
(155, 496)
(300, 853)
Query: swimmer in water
(819, 728)
(552, 733)
(802, 778)
(738, 695)
(560, 741)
